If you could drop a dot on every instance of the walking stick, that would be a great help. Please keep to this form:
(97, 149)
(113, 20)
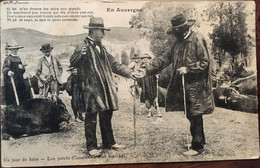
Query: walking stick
(134, 111)
(15, 92)
(31, 88)
(159, 114)
(185, 108)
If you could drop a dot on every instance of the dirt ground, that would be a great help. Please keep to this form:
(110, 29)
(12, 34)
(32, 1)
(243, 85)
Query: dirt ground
(229, 135)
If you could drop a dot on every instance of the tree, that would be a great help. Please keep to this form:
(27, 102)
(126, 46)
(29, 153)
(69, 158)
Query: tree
(230, 33)
(154, 22)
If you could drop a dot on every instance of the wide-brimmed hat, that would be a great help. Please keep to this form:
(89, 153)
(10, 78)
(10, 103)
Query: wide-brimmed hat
(180, 21)
(46, 47)
(13, 45)
(145, 56)
(96, 23)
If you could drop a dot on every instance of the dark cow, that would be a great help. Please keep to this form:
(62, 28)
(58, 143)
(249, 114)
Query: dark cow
(34, 117)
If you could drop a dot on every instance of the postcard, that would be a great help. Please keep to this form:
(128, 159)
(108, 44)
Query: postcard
(114, 82)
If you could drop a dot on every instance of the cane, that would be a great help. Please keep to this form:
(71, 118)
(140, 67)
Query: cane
(15, 92)
(185, 108)
(31, 88)
(159, 114)
(134, 111)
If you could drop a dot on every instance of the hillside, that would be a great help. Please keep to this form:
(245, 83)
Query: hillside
(30, 38)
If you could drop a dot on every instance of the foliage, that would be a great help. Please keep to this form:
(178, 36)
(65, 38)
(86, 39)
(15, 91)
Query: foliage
(230, 38)
(154, 22)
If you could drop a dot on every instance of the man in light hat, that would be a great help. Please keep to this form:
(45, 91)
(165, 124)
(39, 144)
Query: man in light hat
(49, 72)
(189, 57)
(96, 67)
(14, 68)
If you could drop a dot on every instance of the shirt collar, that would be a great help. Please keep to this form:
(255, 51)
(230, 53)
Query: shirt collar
(13, 55)
(93, 42)
(187, 35)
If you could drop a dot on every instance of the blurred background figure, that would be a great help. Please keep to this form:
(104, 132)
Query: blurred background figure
(74, 89)
(149, 86)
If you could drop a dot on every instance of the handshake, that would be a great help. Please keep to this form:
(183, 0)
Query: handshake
(140, 73)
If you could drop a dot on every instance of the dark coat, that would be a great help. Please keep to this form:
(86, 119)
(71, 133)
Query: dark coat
(11, 64)
(191, 53)
(96, 73)
(74, 89)
(148, 85)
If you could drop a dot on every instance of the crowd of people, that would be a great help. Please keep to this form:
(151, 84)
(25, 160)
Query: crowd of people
(93, 88)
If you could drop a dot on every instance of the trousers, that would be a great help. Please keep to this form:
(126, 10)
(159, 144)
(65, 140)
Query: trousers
(197, 132)
(52, 86)
(105, 128)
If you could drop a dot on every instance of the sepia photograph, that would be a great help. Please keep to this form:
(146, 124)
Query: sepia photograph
(117, 82)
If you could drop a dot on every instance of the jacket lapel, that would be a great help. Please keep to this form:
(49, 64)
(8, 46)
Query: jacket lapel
(45, 61)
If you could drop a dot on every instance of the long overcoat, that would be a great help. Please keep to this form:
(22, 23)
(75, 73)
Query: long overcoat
(74, 89)
(96, 72)
(11, 63)
(191, 53)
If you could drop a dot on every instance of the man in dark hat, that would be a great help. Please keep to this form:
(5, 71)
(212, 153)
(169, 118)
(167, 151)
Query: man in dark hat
(49, 72)
(189, 57)
(95, 68)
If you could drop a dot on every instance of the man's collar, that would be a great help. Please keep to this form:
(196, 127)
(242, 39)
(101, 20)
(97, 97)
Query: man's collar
(187, 35)
(13, 55)
(91, 40)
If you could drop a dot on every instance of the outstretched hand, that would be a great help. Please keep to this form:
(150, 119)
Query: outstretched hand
(183, 70)
(142, 72)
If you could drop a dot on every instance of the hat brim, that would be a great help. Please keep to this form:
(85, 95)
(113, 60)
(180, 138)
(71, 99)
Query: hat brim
(142, 57)
(47, 50)
(16, 47)
(189, 23)
(88, 27)
(135, 58)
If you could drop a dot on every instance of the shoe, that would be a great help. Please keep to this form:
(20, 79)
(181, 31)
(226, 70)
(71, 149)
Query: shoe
(192, 152)
(94, 152)
(159, 114)
(149, 114)
(117, 146)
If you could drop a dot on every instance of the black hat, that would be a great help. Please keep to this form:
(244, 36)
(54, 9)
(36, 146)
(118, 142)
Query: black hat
(180, 21)
(135, 56)
(46, 47)
(145, 56)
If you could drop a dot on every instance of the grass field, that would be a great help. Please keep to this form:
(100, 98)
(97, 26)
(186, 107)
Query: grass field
(229, 135)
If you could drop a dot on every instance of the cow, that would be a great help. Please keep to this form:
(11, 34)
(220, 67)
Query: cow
(34, 116)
